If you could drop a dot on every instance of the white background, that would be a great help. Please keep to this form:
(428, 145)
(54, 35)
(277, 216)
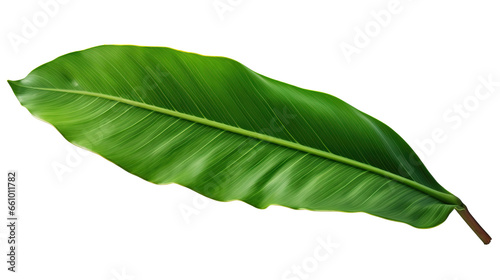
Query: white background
(99, 222)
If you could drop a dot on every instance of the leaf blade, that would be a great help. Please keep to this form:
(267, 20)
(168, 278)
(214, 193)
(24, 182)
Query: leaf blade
(278, 170)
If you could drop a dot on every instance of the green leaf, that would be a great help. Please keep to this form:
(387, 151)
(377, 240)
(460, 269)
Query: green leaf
(222, 130)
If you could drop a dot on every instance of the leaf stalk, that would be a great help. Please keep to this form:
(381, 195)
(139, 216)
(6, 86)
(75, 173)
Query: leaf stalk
(474, 225)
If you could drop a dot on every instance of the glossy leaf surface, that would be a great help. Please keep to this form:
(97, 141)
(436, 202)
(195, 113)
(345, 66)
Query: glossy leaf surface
(229, 133)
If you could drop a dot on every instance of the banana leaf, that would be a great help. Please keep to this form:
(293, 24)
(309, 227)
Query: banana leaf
(215, 126)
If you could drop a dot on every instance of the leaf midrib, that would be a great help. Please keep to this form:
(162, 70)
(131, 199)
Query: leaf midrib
(446, 198)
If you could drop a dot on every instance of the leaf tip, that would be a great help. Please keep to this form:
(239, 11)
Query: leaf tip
(12, 83)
